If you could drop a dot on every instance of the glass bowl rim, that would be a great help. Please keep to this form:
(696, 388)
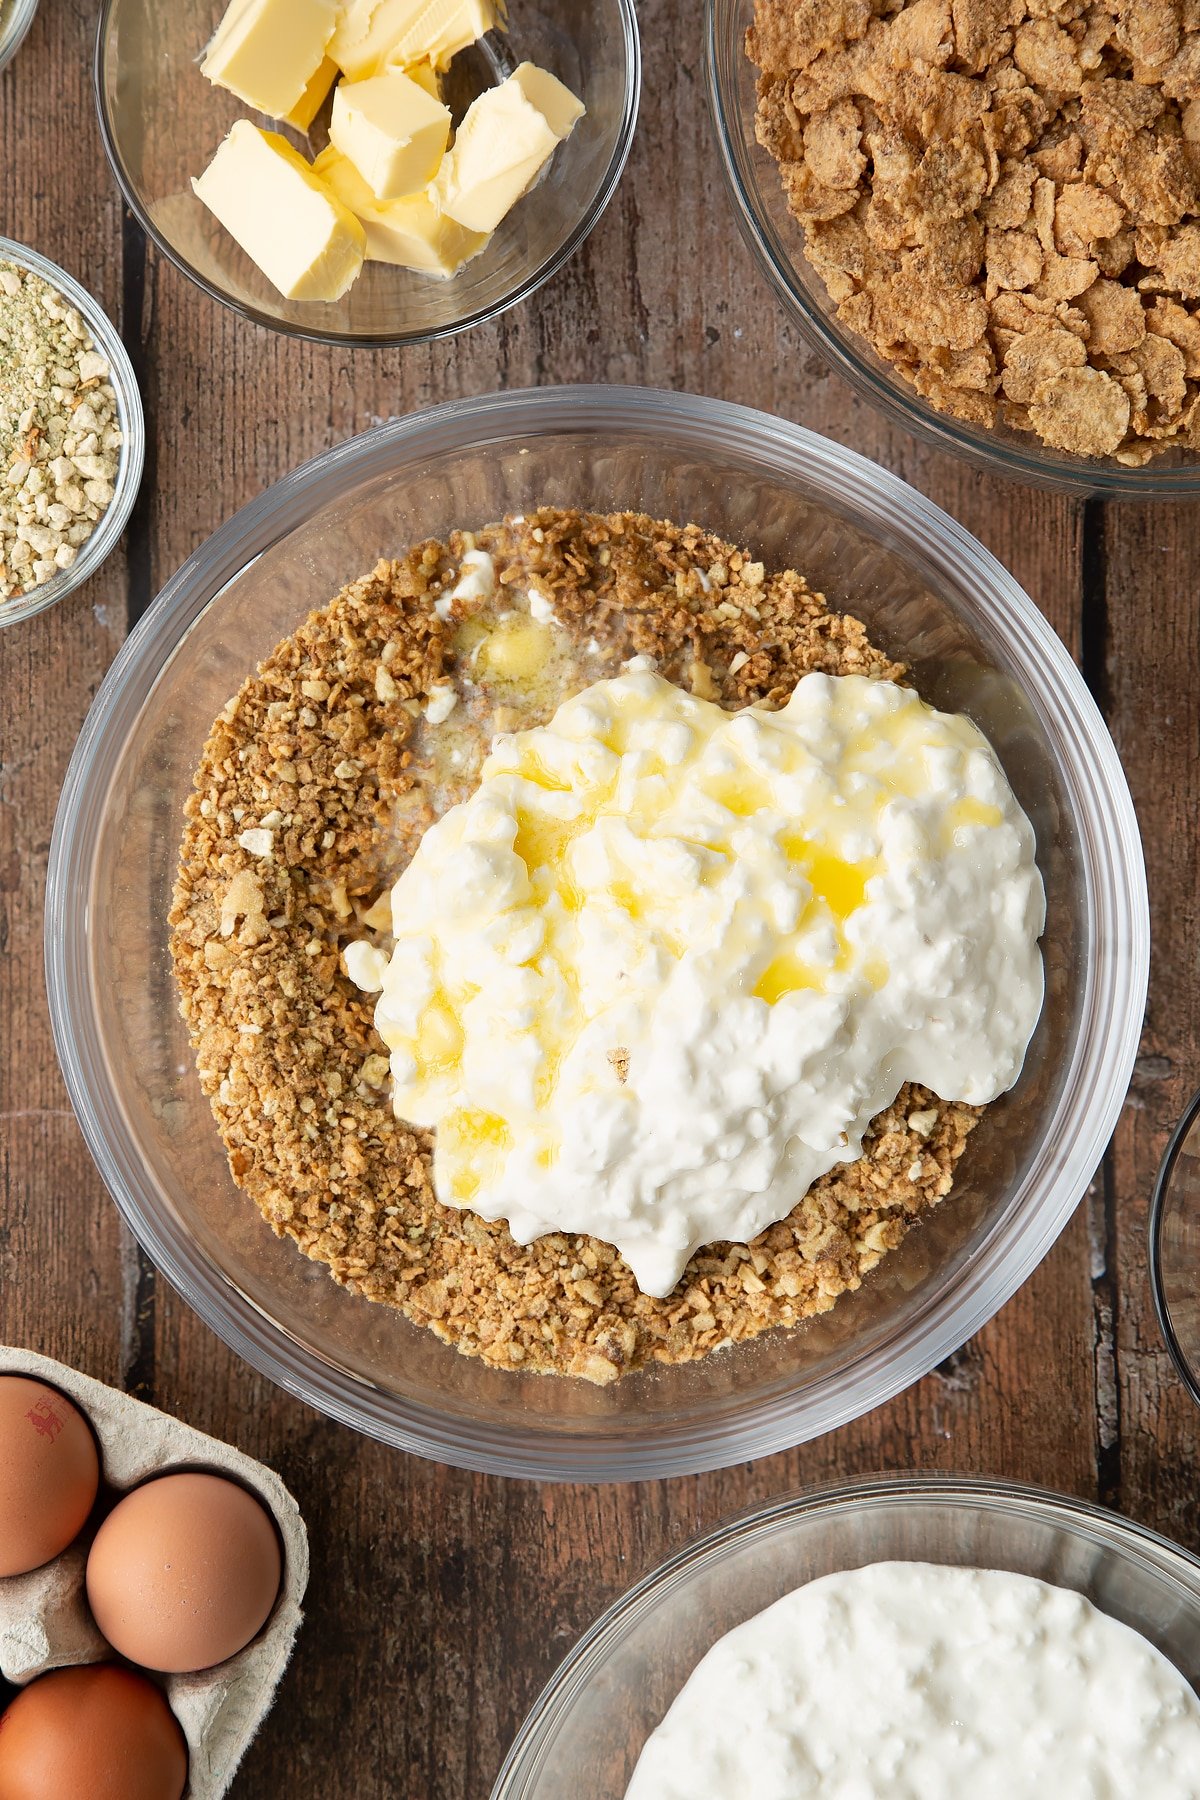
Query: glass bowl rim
(586, 1658)
(131, 463)
(1101, 1058)
(1158, 1205)
(23, 14)
(1039, 467)
(530, 283)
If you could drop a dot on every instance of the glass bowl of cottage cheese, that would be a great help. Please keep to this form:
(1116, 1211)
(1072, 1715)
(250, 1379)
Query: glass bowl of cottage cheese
(928, 594)
(162, 124)
(913, 1637)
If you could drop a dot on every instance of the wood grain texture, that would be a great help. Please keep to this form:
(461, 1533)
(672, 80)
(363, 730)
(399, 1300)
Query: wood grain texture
(441, 1601)
(67, 1268)
(1151, 689)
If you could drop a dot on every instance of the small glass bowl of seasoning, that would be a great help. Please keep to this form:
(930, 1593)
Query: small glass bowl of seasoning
(16, 16)
(1175, 1247)
(72, 434)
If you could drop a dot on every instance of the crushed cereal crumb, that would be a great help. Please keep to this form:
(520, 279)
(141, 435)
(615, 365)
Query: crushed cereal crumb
(285, 1044)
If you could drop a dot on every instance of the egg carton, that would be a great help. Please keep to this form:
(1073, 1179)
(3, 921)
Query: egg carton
(44, 1618)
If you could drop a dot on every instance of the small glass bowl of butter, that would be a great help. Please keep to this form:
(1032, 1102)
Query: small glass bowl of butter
(16, 16)
(164, 124)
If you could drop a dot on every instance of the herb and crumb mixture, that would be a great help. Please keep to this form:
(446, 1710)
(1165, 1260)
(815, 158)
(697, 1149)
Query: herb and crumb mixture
(315, 786)
(60, 437)
(1003, 199)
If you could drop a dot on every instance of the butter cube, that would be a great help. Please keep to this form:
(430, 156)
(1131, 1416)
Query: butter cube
(423, 73)
(270, 52)
(503, 144)
(282, 214)
(393, 132)
(374, 32)
(310, 102)
(411, 233)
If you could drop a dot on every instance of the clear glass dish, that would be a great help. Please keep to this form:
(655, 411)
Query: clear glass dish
(1175, 1247)
(162, 122)
(587, 1730)
(16, 16)
(927, 590)
(778, 245)
(133, 452)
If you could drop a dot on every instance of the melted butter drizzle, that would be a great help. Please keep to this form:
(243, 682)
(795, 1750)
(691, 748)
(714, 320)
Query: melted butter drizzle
(512, 672)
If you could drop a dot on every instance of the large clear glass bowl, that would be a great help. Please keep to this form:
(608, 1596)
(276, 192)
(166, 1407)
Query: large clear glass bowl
(115, 517)
(929, 593)
(162, 122)
(778, 245)
(587, 1730)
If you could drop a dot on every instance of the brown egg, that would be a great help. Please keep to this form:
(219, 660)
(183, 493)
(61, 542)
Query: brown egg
(100, 1733)
(49, 1473)
(184, 1572)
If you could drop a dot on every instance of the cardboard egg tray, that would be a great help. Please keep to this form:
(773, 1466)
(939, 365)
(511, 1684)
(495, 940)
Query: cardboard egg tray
(44, 1618)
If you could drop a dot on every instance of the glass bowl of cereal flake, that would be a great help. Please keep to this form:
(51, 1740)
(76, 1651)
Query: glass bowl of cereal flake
(72, 434)
(1063, 348)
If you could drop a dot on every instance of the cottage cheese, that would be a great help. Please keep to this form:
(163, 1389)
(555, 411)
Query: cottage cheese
(476, 581)
(665, 965)
(906, 1681)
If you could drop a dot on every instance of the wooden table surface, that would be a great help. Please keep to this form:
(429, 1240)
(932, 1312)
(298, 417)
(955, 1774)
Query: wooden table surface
(440, 1601)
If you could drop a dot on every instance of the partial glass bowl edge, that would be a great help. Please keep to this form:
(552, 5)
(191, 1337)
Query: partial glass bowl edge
(13, 30)
(1188, 1372)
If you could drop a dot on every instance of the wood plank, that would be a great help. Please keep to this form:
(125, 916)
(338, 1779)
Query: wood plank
(67, 1267)
(1152, 640)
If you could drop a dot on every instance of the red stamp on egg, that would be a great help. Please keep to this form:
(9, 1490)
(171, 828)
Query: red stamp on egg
(45, 1420)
